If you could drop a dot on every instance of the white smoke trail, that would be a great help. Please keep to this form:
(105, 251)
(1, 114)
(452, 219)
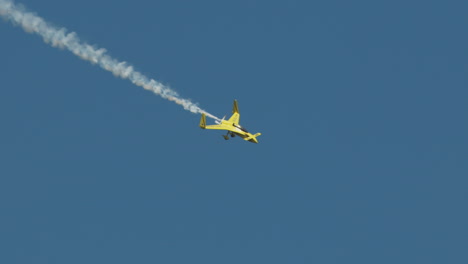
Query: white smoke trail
(58, 37)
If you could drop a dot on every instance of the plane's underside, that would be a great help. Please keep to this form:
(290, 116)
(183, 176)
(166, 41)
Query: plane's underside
(232, 126)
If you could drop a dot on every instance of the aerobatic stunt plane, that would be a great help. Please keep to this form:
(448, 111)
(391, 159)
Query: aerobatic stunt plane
(231, 125)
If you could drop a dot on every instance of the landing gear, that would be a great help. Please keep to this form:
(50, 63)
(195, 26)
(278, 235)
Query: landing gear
(226, 137)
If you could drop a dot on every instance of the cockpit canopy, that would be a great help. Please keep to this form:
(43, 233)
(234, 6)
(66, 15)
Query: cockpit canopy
(241, 128)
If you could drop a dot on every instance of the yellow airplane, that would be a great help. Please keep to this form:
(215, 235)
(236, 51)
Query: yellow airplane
(231, 125)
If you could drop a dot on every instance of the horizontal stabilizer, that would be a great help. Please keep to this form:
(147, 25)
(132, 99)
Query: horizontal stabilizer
(252, 136)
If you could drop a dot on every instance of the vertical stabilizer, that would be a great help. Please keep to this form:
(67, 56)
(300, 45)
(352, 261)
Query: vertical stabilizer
(203, 121)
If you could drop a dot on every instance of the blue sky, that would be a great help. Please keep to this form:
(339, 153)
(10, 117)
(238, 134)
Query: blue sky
(362, 107)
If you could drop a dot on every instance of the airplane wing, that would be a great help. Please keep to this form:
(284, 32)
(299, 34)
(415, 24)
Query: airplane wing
(221, 127)
(218, 127)
(235, 118)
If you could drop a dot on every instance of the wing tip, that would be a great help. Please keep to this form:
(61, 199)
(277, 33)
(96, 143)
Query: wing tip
(203, 121)
(235, 107)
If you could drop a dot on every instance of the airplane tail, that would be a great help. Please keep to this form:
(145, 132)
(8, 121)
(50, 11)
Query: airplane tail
(203, 121)
(256, 135)
(253, 138)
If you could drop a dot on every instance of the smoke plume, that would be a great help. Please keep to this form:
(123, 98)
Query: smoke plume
(61, 38)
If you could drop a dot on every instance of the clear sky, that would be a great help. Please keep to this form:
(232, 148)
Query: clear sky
(362, 106)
